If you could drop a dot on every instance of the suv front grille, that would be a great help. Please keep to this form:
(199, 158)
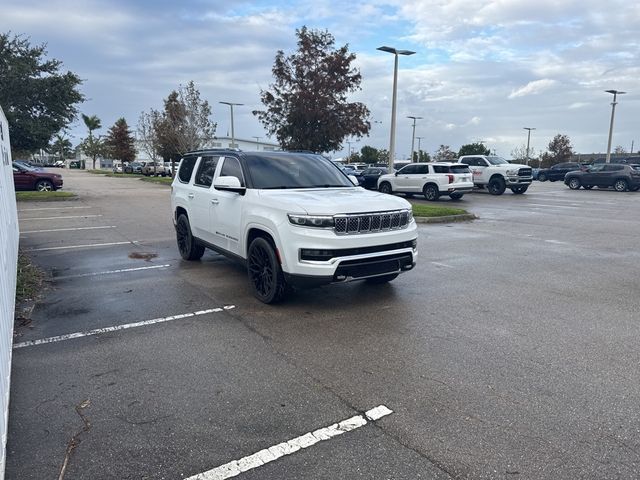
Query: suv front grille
(371, 222)
(525, 172)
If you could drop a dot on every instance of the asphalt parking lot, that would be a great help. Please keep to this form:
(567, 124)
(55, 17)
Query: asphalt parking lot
(509, 352)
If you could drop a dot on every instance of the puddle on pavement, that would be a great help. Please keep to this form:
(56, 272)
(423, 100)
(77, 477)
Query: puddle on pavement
(143, 255)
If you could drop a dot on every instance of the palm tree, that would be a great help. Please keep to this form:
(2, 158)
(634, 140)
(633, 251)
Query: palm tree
(92, 123)
(92, 147)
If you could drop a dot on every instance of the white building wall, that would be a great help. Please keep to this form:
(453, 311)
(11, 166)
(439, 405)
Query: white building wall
(8, 265)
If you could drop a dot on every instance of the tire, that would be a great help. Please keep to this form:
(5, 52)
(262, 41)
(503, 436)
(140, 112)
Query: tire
(456, 196)
(382, 279)
(431, 192)
(574, 183)
(188, 247)
(520, 190)
(265, 274)
(542, 177)
(621, 185)
(496, 186)
(587, 187)
(385, 187)
(45, 186)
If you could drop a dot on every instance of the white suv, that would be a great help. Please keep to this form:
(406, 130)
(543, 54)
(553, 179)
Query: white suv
(430, 179)
(293, 219)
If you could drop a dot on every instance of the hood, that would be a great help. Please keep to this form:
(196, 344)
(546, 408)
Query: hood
(332, 201)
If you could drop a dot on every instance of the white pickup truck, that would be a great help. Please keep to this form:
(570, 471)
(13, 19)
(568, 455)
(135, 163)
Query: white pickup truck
(496, 174)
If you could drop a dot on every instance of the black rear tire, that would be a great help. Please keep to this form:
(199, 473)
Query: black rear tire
(542, 177)
(456, 196)
(188, 247)
(574, 183)
(520, 190)
(45, 186)
(385, 187)
(621, 185)
(265, 273)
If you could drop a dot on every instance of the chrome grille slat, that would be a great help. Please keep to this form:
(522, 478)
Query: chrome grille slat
(349, 224)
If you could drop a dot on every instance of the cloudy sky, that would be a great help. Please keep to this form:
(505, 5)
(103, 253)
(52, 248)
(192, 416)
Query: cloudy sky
(483, 69)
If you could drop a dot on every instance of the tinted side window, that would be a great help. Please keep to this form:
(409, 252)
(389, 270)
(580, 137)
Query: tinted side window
(422, 169)
(409, 169)
(459, 169)
(204, 177)
(440, 169)
(186, 169)
(468, 161)
(231, 168)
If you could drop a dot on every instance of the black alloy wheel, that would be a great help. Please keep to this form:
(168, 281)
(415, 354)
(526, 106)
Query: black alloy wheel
(456, 196)
(542, 177)
(496, 186)
(431, 192)
(520, 190)
(188, 247)
(265, 274)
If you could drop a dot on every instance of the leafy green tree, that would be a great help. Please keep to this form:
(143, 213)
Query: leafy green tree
(307, 108)
(476, 148)
(421, 156)
(120, 142)
(560, 150)
(369, 154)
(38, 98)
(61, 146)
(185, 123)
(444, 154)
(93, 147)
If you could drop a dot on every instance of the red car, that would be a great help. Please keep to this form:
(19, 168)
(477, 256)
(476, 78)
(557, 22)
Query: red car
(25, 178)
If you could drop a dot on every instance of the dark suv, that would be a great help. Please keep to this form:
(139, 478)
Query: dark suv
(558, 171)
(621, 177)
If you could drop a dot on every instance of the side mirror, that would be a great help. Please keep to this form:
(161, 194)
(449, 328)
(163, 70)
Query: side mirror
(229, 184)
(396, 174)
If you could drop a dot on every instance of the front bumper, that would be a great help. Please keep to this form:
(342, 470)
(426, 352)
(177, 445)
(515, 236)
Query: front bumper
(346, 257)
(513, 181)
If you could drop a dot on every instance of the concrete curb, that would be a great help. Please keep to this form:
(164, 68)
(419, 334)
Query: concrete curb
(466, 217)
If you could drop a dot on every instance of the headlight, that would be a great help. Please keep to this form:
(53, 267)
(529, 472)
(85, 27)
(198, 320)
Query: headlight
(512, 172)
(317, 221)
(409, 216)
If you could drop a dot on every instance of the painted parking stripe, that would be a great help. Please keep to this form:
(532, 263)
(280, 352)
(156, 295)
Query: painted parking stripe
(91, 245)
(59, 218)
(67, 229)
(442, 265)
(108, 272)
(236, 467)
(49, 208)
(98, 331)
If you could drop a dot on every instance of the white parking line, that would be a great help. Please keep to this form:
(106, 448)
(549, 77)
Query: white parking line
(236, 467)
(442, 264)
(59, 218)
(97, 331)
(123, 270)
(80, 246)
(67, 229)
(550, 206)
(49, 208)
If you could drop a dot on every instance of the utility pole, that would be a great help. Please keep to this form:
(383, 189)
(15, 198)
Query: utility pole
(257, 142)
(413, 135)
(613, 113)
(233, 137)
(528, 140)
(419, 149)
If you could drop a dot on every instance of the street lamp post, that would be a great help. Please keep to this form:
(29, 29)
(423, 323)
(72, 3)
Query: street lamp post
(233, 136)
(257, 142)
(413, 135)
(613, 112)
(528, 140)
(419, 149)
(392, 139)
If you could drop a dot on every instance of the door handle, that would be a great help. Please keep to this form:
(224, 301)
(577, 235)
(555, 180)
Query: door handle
(215, 201)
(190, 195)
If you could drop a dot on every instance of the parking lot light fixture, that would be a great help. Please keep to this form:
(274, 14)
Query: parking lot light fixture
(392, 140)
(413, 135)
(528, 140)
(233, 137)
(615, 94)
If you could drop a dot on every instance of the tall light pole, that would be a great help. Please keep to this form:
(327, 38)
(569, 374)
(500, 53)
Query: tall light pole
(419, 149)
(233, 136)
(528, 140)
(392, 139)
(413, 135)
(613, 112)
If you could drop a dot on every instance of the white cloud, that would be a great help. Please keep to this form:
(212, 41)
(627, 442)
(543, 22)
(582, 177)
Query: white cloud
(533, 88)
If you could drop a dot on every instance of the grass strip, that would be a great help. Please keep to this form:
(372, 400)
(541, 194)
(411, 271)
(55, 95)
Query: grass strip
(43, 196)
(29, 279)
(160, 180)
(421, 210)
(108, 173)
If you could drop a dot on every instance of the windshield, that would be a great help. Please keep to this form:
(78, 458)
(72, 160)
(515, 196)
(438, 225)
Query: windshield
(496, 160)
(287, 170)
